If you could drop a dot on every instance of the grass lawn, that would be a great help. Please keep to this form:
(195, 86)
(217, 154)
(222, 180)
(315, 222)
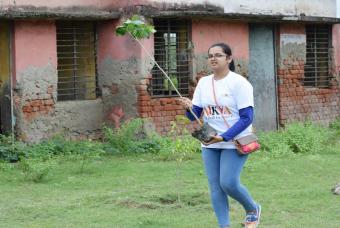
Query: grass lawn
(144, 191)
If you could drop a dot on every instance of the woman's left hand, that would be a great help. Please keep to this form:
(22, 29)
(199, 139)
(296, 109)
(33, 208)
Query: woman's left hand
(215, 139)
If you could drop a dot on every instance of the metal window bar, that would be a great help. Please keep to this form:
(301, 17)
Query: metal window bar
(171, 42)
(318, 43)
(76, 53)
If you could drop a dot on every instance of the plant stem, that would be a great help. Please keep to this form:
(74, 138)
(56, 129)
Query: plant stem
(166, 75)
(178, 183)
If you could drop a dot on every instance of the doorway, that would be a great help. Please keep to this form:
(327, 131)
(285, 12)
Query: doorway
(262, 75)
(5, 82)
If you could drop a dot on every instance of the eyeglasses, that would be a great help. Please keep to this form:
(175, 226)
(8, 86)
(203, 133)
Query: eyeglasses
(217, 56)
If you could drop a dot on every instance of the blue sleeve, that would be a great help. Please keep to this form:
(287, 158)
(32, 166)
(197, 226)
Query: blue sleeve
(246, 118)
(197, 110)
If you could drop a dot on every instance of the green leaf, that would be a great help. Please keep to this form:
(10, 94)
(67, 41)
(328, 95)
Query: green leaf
(120, 31)
(150, 29)
(135, 17)
(130, 27)
(138, 22)
(128, 21)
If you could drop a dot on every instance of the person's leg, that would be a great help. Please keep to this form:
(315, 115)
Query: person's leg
(219, 200)
(231, 166)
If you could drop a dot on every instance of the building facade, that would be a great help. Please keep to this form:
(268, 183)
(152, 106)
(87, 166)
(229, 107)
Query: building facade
(63, 70)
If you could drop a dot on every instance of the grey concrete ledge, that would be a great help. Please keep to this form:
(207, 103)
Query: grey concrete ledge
(209, 13)
(76, 13)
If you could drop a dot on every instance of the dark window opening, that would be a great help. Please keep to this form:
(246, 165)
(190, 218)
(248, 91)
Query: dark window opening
(76, 50)
(171, 46)
(318, 43)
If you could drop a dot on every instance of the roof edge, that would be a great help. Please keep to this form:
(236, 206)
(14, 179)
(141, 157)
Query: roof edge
(154, 12)
(77, 13)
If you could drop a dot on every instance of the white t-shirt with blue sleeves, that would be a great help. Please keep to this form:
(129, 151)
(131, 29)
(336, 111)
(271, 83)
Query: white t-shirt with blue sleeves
(233, 93)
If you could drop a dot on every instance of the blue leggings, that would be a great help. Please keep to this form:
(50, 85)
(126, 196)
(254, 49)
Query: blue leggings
(223, 168)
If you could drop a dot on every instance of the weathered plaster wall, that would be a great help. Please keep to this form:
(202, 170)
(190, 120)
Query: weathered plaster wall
(35, 65)
(71, 120)
(205, 33)
(292, 40)
(190, 2)
(115, 47)
(296, 102)
(63, 3)
(289, 7)
(119, 70)
(322, 8)
(38, 114)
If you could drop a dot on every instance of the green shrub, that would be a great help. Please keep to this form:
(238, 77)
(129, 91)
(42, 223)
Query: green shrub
(306, 137)
(88, 152)
(335, 125)
(274, 145)
(10, 150)
(179, 144)
(180, 148)
(43, 150)
(59, 146)
(35, 170)
(131, 138)
(297, 138)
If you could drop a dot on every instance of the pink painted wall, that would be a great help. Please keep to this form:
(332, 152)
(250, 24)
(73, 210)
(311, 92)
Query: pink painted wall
(34, 44)
(236, 34)
(336, 45)
(119, 47)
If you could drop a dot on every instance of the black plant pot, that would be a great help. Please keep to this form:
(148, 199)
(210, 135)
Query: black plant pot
(204, 134)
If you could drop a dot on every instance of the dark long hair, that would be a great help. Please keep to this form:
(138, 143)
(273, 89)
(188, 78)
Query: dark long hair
(227, 50)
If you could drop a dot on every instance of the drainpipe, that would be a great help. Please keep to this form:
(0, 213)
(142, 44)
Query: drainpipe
(276, 58)
(11, 73)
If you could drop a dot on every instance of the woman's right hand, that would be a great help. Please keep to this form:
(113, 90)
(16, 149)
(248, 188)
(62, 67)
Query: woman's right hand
(186, 102)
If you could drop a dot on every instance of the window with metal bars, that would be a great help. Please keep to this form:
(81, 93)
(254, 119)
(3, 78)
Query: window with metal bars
(318, 43)
(171, 46)
(76, 50)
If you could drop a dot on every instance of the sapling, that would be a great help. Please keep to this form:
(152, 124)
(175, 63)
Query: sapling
(138, 29)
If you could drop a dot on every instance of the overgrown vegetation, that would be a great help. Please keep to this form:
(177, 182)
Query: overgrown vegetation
(335, 125)
(132, 137)
(149, 180)
(299, 138)
(10, 150)
(136, 137)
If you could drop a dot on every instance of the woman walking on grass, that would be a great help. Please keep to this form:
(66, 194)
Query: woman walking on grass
(223, 164)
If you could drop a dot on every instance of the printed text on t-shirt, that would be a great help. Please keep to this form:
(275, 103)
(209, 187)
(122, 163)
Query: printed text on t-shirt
(210, 111)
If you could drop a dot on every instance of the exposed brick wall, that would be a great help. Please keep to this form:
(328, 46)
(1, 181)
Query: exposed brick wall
(37, 107)
(298, 103)
(44, 104)
(160, 110)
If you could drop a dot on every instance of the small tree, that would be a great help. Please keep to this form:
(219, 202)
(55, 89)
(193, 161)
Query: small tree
(137, 29)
